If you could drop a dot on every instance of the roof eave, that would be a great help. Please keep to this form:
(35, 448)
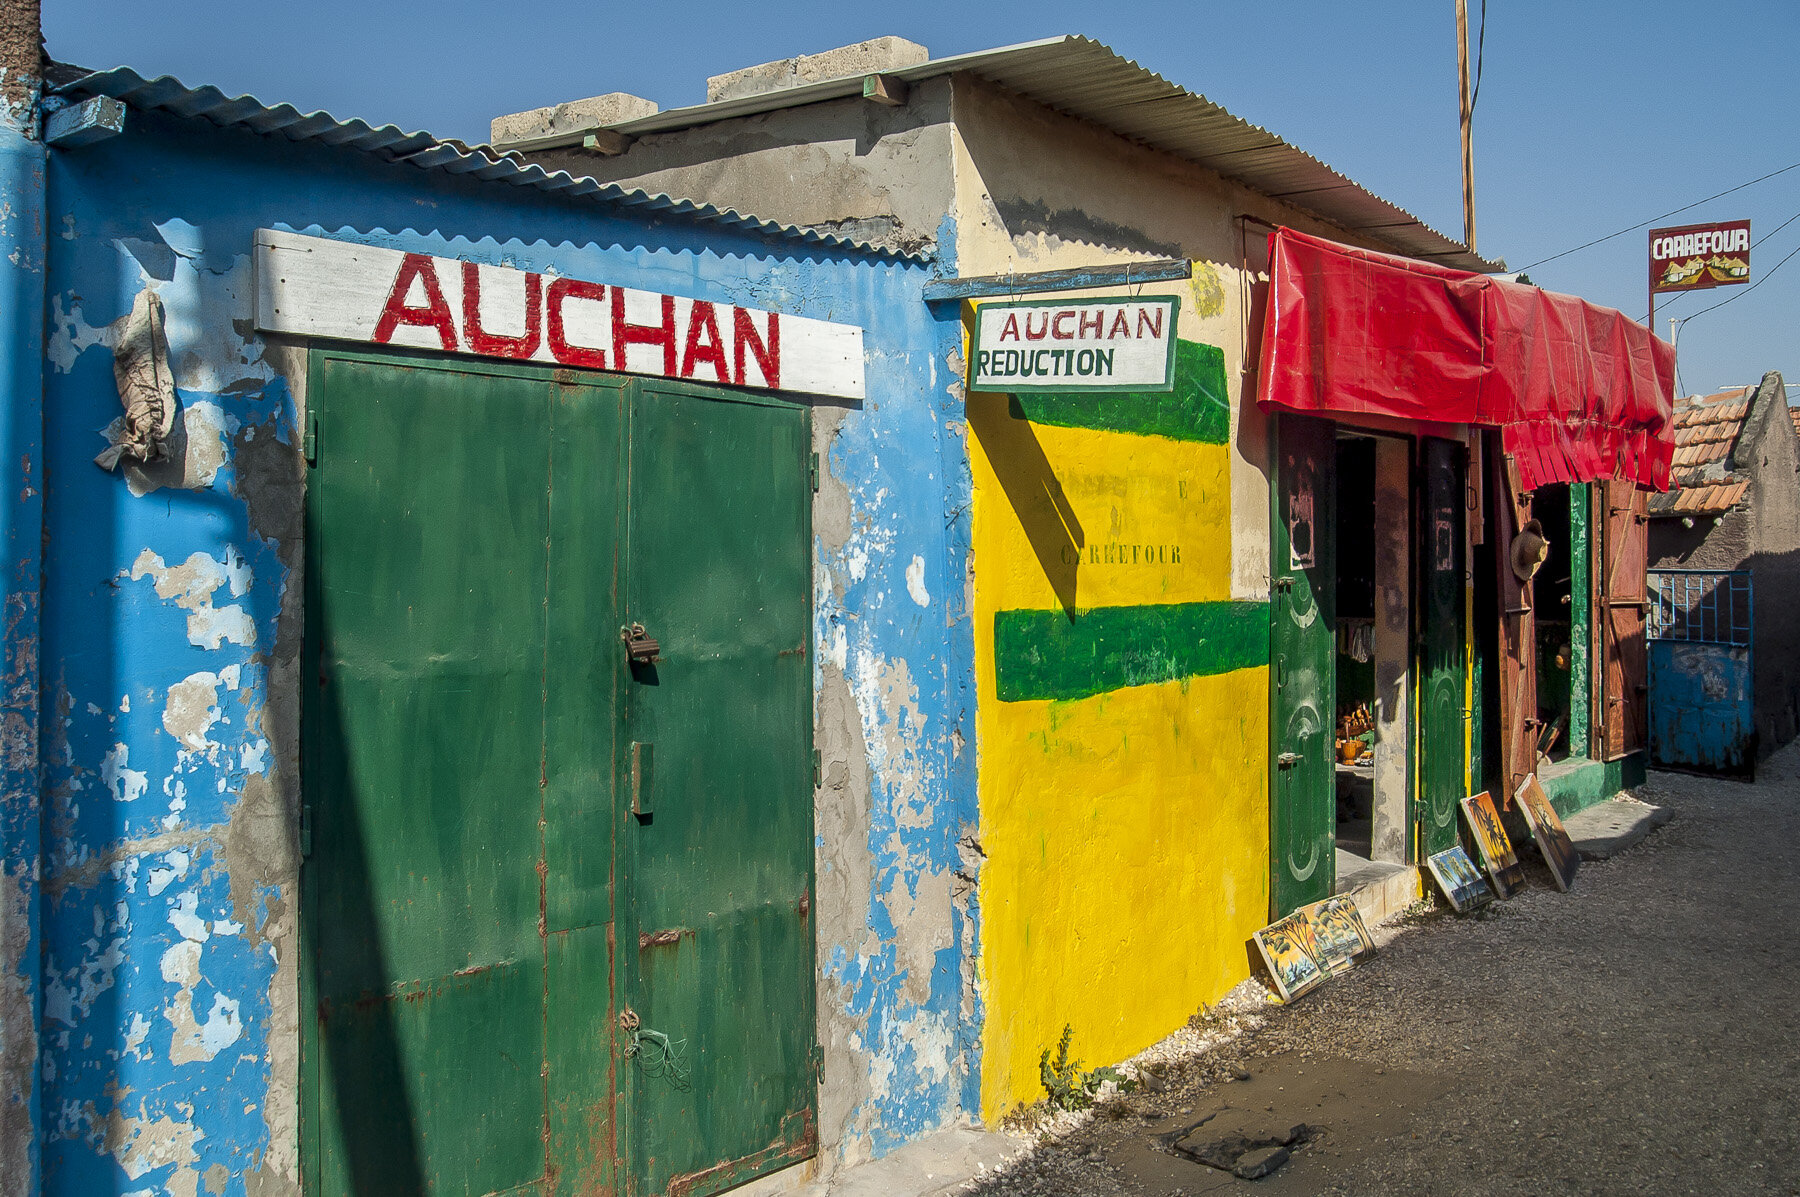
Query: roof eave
(426, 151)
(1390, 224)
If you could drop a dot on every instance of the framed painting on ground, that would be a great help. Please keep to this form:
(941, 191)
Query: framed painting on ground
(1288, 948)
(1497, 855)
(1462, 883)
(1339, 937)
(1553, 842)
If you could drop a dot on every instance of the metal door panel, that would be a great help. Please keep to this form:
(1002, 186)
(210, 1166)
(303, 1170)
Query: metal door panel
(1443, 771)
(1700, 640)
(583, 668)
(581, 1062)
(721, 970)
(470, 1066)
(1303, 688)
(583, 677)
(460, 738)
(423, 730)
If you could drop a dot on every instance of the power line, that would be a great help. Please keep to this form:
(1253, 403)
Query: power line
(1753, 286)
(1672, 212)
(1480, 51)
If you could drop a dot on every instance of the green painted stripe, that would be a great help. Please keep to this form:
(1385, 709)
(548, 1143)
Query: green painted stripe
(1194, 411)
(1050, 655)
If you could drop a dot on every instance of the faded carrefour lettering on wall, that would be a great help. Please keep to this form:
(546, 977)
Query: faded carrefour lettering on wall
(1121, 691)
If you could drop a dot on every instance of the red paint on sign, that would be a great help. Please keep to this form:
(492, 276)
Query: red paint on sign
(492, 344)
(626, 333)
(561, 349)
(702, 322)
(435, 313)
(766, 350)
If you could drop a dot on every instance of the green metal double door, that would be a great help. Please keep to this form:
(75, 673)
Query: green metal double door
(556, 932)
(1303, 658)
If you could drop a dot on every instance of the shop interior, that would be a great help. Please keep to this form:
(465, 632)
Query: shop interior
(1551, 591)
(1373, 590)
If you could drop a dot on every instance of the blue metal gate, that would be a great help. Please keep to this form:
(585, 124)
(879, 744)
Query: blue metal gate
(1700, 636)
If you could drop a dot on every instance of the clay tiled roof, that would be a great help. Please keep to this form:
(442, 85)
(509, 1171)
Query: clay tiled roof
(1794, 415)
(1708, 498)
(1706, 428)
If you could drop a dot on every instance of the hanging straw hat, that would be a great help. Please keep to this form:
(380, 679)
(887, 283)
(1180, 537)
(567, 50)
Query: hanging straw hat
(1529, 548)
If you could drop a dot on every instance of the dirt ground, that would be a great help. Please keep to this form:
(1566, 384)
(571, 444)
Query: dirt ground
(1638, 1035)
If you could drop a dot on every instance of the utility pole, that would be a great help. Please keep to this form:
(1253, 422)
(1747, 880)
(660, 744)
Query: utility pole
(1468, 115)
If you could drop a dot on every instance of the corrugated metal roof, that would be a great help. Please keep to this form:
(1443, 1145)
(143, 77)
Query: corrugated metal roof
(1086, 79)
(167, 94)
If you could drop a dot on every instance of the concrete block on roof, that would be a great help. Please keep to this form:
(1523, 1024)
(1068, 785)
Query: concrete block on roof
(572, 116)
(864, 58)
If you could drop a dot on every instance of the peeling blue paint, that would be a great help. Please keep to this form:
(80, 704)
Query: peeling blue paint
(21, 526)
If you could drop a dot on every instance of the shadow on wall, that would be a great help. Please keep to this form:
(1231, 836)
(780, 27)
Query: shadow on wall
(1033, 490)
(365, 1109)
(1775, 656)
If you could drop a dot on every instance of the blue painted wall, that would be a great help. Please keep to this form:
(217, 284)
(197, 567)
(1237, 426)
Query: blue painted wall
(172, 624)
(21, 536)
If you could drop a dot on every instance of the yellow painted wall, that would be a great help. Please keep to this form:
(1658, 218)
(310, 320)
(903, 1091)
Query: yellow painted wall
(1126, 833)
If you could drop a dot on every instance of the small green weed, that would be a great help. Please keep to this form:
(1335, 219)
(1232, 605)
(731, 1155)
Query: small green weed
(1069, 1087)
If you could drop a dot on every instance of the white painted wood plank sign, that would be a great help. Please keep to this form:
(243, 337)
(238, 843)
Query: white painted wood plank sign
(1075, 344)
(320, 287)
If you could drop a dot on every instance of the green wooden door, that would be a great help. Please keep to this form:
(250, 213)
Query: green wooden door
(1442, 664)
(1303, 663)
(490, 784)
(584, 675)
(424, 735)
(717, 956)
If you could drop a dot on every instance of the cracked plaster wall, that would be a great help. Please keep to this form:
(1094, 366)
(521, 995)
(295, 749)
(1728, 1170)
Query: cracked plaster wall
(170, 1029)
(866, 171)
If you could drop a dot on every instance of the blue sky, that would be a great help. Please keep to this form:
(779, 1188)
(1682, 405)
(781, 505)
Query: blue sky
(1593, 115)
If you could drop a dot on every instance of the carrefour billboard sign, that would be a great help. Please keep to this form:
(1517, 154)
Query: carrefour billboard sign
(1696, 256)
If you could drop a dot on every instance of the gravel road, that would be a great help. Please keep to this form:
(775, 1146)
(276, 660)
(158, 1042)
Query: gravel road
(1638, 1035)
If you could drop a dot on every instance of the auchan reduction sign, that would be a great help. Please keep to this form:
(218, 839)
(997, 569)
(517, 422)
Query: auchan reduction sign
(318, 287)
(1075, 345)
(1697, 256)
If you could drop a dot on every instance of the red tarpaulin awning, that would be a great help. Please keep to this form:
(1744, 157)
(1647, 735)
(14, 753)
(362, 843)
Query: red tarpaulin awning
(1579, 392)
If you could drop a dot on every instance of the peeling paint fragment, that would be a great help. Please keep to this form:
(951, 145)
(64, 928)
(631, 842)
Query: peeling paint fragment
(192, 584)
(192, 709)
(127, 785)
(915, 582)
(142, 1145)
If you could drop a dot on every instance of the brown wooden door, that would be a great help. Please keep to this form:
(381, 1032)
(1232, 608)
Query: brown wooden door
(1622, 602)
(1518, 633)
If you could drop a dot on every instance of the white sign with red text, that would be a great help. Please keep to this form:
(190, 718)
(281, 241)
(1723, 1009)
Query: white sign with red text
(319, 287)
(1075, 345)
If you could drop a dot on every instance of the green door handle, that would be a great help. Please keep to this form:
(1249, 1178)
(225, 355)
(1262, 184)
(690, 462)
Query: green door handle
(643, 760)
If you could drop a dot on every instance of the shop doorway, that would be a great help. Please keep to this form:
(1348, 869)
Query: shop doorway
(1373, 644)
(1369, 655)
(1557, 627)
(557, 880)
